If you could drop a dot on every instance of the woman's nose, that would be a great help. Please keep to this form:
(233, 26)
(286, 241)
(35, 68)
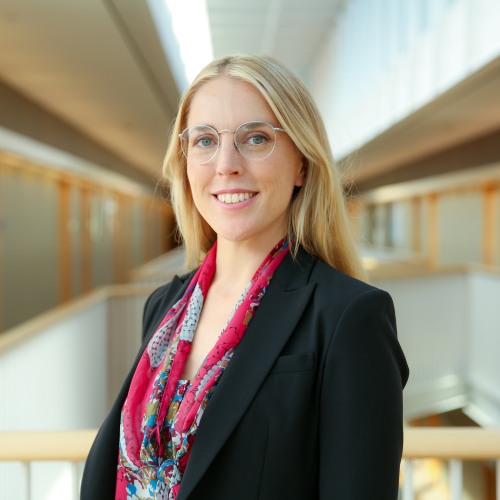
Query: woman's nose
(228, 158)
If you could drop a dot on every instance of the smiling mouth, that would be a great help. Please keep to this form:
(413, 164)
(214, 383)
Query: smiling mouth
(234, 197)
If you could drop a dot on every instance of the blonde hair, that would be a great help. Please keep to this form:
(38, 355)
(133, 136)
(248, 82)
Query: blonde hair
(318, 219)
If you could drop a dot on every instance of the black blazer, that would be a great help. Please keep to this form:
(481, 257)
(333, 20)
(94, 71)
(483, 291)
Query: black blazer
(309, 407)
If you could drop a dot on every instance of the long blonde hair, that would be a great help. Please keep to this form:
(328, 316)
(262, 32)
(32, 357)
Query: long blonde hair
(318, 219)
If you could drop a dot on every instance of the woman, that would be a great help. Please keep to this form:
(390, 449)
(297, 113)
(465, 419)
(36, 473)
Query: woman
(270, 372)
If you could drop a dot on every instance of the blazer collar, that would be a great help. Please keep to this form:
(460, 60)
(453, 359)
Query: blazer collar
(281, 308)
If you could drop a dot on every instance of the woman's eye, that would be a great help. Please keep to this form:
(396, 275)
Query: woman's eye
(204, 142)
(257, 139)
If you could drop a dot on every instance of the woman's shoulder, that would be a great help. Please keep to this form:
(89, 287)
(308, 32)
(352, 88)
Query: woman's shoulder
(334, 286)
(168, 289)
(326, 276)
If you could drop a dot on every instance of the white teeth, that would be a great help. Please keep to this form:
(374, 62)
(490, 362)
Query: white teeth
(234, 197)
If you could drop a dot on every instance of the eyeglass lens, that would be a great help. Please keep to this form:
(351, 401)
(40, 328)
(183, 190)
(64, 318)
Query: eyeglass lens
(254, 140)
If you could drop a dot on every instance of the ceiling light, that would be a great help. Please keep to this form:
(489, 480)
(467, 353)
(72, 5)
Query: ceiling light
(191, 28)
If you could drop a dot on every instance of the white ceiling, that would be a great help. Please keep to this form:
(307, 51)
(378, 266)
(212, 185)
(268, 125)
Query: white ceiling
(290, 30)
(294, 30)
(463, 113)
(96, 64)
(100, 66)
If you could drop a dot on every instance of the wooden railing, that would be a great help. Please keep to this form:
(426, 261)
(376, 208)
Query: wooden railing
(454, 445)
(420, 217)
(28, 448)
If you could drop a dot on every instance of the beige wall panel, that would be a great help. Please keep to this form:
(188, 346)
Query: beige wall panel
(30, 272)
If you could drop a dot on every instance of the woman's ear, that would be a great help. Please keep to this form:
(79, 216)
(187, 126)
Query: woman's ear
(301, 174)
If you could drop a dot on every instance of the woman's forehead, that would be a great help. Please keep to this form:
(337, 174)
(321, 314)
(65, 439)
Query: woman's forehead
(227, 102)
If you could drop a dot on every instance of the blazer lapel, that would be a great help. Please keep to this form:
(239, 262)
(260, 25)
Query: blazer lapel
(280, 310)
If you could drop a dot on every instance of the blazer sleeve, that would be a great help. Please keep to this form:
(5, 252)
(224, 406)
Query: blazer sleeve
(361, 417)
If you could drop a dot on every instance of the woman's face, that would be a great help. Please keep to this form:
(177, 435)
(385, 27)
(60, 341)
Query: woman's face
(243, 200)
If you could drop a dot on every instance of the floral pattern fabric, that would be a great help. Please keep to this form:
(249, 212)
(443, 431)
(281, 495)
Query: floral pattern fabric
(162, 412)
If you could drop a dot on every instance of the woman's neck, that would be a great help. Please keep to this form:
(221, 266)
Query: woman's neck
(236, 264)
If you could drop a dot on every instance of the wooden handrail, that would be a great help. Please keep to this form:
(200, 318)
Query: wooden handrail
(402, 271)
(71, 446)
(31, 328)
(463, 443)
(169, 263)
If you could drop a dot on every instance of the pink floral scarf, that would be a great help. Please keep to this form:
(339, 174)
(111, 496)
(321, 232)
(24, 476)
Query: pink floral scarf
(162, 413)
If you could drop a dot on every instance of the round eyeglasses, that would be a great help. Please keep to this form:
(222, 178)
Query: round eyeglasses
(254, 140)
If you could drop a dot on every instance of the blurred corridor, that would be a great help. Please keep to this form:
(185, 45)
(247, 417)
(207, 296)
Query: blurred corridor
(410, 93)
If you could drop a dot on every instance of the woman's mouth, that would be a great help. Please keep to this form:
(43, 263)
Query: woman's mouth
(230, 198)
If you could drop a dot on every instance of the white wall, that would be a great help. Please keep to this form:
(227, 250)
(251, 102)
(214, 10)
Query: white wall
(386, 58)
(57, 379)
(483, 368)
(65, 376)
(449, 328)
(432, 324)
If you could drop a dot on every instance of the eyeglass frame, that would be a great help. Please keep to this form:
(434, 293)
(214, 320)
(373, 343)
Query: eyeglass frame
(218, 132)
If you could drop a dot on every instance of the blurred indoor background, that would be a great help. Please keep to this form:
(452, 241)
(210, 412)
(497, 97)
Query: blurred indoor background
(410, 93)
